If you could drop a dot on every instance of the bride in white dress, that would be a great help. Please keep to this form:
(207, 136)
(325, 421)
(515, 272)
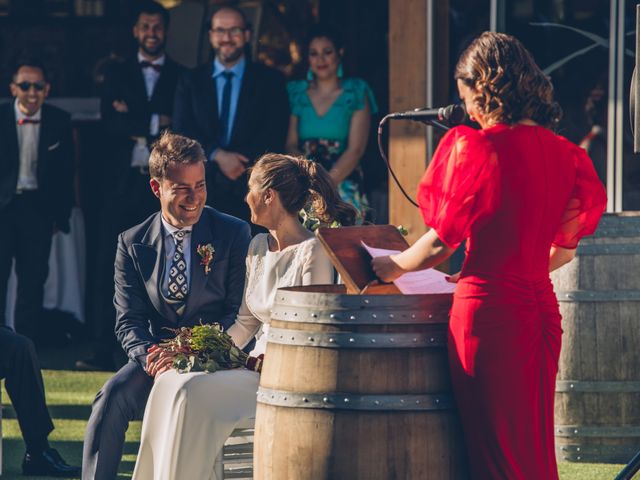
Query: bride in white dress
(189, 416)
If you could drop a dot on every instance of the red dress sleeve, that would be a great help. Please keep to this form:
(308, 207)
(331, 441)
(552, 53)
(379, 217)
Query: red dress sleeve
(461, 186)
(586, 205)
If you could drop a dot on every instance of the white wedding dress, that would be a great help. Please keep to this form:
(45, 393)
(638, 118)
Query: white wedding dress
(189, 416)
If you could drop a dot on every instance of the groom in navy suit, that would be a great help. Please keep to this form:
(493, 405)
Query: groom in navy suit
(164, 280)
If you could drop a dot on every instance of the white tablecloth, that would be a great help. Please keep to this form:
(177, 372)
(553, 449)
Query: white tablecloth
(64, 288)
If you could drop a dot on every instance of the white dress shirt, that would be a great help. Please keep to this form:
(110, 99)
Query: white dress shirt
(151, 77)
(28, 140)
(170, 249)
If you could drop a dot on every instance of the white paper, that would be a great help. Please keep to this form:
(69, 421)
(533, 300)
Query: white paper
(420, 282)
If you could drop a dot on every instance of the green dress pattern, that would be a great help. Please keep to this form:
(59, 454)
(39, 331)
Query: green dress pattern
(324, 138)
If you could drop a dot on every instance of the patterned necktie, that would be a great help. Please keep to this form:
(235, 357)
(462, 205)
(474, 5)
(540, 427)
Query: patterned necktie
(178, 288)
(225, 109)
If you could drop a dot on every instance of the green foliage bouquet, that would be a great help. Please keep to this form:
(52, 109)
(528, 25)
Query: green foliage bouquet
(207, 348)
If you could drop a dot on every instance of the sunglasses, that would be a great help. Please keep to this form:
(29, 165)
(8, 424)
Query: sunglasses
(25, 86)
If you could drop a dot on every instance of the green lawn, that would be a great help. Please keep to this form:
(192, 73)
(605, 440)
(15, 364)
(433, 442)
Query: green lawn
(69, 396)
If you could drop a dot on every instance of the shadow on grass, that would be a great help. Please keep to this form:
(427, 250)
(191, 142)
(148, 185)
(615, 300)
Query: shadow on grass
(63, 412)
(71, 451)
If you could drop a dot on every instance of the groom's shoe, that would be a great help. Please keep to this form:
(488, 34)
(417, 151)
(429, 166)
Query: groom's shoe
(48, 462)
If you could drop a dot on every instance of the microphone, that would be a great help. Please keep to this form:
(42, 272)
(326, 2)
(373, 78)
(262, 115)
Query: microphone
(452, 114)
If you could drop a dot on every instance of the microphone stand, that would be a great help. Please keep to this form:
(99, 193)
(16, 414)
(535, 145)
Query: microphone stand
(433, 123)
(630, 470)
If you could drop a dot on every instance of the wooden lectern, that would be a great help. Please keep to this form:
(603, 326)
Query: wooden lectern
(352, 261)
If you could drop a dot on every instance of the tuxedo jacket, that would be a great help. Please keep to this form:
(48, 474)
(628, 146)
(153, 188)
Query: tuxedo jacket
(142, 313)
(260, 124)
(55, 163)
(125, 82)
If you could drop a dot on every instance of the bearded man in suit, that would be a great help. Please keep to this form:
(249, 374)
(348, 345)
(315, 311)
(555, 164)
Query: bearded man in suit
(136, 105)
(162, 279)
(237, 109)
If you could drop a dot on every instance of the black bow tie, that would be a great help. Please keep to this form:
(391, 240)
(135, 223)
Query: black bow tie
(145, 64)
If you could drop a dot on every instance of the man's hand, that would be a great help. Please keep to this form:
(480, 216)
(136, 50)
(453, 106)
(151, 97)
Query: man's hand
(232, 164)
(386, 268)
(164, 121)
(158, 361)
(120, 106)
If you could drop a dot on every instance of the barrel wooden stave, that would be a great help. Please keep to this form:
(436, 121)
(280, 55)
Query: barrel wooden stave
(334, 443)
(597, 412)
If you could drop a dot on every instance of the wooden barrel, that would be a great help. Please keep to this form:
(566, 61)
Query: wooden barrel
(597, 412)
(357, 387)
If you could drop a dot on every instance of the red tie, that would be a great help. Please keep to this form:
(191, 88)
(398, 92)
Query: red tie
(145, 64)
(24, 121)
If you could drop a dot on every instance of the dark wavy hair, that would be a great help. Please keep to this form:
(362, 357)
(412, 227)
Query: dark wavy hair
(509, 84)
(300, 182)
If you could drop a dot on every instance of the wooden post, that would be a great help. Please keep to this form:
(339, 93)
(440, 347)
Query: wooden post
(408, 70)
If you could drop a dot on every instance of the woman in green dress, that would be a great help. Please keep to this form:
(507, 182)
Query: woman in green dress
(331, 116)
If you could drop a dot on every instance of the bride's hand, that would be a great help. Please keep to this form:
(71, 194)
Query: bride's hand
(158, 361)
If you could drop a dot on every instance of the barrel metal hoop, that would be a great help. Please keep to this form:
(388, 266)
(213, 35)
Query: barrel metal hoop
(570, 431)
(598, 296)
(600, 453)
(345, 340)
(348, 401)
(609, 249)
(564, 386)
(289, 313)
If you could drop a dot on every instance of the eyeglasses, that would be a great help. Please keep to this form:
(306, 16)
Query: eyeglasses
(233, 31)
(25, 86)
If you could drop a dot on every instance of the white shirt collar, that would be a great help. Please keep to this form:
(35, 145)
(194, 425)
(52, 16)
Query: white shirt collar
(158, 61)
(170, 229)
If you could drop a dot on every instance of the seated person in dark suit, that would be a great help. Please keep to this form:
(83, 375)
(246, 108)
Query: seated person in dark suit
(237, 109)
(163, 280)
(136, 105)
(22, 378)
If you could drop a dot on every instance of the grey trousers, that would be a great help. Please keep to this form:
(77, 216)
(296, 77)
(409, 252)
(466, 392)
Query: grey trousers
(121, 400)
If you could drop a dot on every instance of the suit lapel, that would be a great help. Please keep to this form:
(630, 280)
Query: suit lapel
(43, 143)
(209, 104)
(203, 234)
(13, 152)
(151, 263)
(244, 103)
(138, 85)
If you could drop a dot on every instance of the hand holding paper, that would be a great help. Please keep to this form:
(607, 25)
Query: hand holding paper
(419, 282)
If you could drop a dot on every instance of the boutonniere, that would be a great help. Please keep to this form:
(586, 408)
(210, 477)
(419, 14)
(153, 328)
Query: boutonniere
(206, 256)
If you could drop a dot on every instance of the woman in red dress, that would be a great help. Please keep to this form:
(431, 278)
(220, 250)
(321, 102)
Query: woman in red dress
(522, 197)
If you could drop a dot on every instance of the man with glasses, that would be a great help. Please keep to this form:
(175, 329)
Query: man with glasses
(136, 105)
(36, 189)
(36, 193)
(235, 108)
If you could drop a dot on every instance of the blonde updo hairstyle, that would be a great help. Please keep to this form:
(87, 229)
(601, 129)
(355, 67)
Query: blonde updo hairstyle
(300, 183)
(509, 84)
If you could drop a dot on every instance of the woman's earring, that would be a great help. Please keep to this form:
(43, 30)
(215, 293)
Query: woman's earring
(340, 72)
(309, 75)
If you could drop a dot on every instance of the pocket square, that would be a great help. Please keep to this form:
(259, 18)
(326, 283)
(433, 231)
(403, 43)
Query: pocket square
(54, 146)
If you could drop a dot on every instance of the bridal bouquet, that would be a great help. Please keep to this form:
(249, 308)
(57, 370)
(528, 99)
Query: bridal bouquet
(207, 348)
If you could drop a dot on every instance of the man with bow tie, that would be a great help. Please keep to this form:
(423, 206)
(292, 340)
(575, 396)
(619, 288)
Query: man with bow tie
(165, 279)
(136, 105)
(36, 189)
(36, 194)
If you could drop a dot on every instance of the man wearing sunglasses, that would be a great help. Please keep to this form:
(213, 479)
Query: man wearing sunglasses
(36, 194)
(237, 109)
(136, 105)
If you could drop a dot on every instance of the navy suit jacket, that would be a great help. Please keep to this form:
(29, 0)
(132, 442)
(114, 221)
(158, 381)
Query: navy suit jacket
(260, 124)
(55, 166)
(142, 314)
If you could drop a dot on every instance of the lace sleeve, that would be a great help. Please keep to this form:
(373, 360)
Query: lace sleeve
(246, 325)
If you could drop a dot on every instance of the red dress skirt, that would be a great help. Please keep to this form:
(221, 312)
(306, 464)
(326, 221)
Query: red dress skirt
(512, 192)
